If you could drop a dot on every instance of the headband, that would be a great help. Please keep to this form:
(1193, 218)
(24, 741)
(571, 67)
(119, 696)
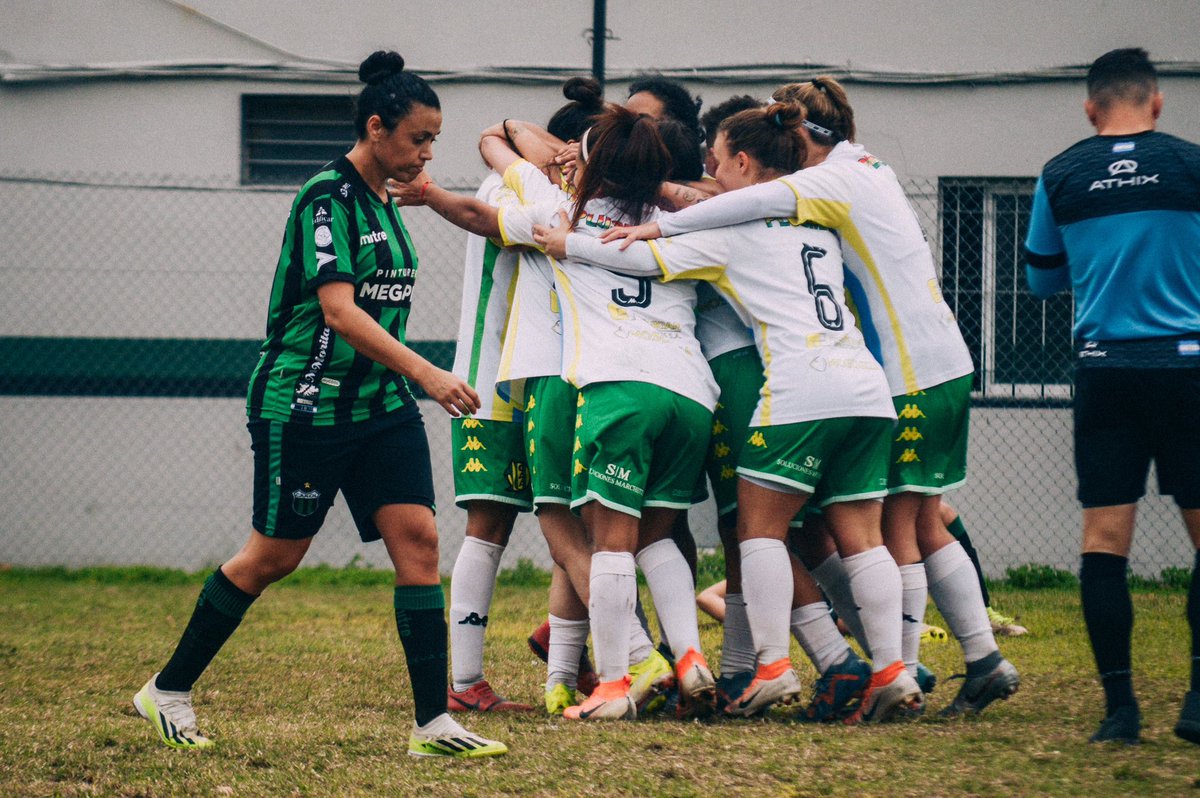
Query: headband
(583, 146)
(815, 128)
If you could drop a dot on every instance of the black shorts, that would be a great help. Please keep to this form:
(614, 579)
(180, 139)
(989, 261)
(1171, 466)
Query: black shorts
(1126, 417)
(299, 469)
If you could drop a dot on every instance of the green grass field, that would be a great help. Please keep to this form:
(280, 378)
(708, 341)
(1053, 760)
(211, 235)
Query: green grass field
(310, 698)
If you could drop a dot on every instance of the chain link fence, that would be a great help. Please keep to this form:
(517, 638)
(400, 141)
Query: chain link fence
(134, 305)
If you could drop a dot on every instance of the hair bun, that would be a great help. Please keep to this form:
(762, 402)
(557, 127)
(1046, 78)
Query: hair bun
(585, 91)
(379, 66)
(785, 116)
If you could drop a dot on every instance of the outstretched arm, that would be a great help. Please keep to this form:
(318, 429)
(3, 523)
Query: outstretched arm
(469, 213)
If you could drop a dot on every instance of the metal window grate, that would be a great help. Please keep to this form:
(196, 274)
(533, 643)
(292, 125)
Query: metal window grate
(1021, 345)
(286, 138)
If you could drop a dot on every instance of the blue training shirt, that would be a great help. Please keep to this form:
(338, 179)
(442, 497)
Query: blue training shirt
(1121, 216)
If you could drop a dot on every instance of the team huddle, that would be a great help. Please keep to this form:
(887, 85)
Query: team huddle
(786, 337)
(657, 305)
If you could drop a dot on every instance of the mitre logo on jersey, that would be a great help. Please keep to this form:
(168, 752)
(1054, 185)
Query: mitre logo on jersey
(1125, 166)
(373, 237)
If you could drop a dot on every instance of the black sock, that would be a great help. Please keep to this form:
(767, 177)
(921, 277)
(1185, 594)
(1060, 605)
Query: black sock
(218, 612)
(1193, 616)
(959, 532)
(1108, 613)
(421, 622)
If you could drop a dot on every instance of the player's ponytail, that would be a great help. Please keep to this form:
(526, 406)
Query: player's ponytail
(768, 135)
(829, 117)
(623, 160)
(390, 91)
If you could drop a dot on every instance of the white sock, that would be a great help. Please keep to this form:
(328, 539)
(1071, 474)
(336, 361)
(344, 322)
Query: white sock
(613, 586)
(916, 591)
(737, 646)
(471, 586)
(567, 639)
(831, 576)
(875, 583)
(815, 631)
(767, 587)
(640, 644)
(674, 593)
(954, 586)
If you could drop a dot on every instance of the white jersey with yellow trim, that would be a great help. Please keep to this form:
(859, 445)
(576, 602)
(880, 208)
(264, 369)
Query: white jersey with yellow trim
(533, 343)
(892, 278)
(618, 328)
(785, 281)
(489, 277)
(718, 326)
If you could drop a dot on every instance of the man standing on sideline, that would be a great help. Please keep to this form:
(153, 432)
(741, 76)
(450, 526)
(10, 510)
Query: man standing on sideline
(1116, 219)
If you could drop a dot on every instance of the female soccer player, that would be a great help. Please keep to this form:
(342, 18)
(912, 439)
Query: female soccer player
(823, 422)
(646, 397)
(913, 333)
(492, 472)
(330, 411)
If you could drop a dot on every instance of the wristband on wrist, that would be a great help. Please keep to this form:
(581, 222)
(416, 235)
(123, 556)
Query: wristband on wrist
(424, 187)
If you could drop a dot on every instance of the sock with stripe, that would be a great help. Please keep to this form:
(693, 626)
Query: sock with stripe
(916, 593)
(471, 585)
(878, 594)
(767, 587)
(1108, 614)
(421, 622)
(219, 610)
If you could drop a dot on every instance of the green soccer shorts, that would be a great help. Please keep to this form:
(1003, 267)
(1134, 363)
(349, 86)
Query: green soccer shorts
(549, 429)
(638, 445)
(838, 459)
(739, 375)
(929, 446)
(489, 462)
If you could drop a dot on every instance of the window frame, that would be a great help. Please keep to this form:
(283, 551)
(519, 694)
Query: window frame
(330, 110)
(988, 387)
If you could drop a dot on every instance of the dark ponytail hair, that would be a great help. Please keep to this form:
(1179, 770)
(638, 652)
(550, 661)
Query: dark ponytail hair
(586, 103)
(768, 135)
(626, 162)
(390, 91)
(827, 108)
(687, 162)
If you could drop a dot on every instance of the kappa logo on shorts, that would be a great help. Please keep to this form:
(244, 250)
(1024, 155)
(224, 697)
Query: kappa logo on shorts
(911, 411)
(728, 472)
(910, 434)
(908, 456)
(721, 450)
(473, 444)
(473, 466)
(758, 440)
(305, 500)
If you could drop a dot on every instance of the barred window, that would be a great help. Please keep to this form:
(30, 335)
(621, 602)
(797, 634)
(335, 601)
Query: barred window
(1021, 345)
(287, 138)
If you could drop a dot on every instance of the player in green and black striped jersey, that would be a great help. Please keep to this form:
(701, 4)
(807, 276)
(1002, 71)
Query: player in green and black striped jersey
(338, 231)
(330, 413)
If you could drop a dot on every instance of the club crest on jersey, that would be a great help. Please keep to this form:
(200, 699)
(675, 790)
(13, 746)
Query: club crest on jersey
(517, 477)
(305, 500)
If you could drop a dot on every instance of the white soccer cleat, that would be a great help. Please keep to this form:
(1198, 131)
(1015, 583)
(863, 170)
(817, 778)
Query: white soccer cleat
(172, 716)
(444, 736)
